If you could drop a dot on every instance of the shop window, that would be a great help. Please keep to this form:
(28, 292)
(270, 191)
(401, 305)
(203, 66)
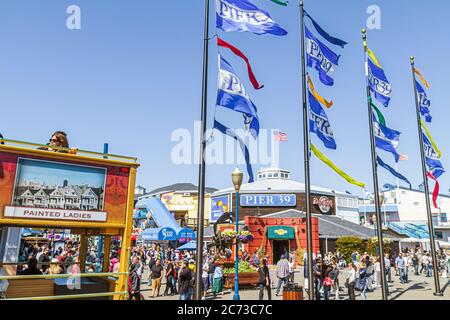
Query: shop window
(439, 235)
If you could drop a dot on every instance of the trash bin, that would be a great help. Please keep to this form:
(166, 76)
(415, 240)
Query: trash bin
(292, 291)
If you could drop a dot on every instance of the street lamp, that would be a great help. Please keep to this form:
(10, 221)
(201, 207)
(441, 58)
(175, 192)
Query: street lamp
(236, 177)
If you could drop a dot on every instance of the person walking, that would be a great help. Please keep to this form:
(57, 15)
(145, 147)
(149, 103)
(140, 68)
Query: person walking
(351, 280)
(264, 279)
(205, 278)
(156, 275)
(134, 282)
(400, 264)
(282, 273)
(218, 280)
(362, 281)
(327, 282)
(169, 279)
(185, 282)
(377, 267)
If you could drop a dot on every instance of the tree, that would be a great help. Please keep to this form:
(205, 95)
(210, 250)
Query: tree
(347, 245)
(372, 244)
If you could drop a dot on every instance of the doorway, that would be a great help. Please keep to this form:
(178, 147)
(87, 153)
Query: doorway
(279, 247)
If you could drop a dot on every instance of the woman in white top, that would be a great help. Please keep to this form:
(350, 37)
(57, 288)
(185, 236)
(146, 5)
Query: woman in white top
(291, 270)
(378, 273)
(351, 280)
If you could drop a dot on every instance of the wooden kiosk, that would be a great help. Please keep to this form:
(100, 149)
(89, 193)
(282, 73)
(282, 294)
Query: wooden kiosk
(90, 193)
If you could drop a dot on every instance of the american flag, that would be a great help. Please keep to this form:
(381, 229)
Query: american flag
(280, 136)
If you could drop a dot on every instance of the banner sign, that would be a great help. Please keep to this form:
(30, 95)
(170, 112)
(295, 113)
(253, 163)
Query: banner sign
(268, 200)
(219, 205)
(34, 187)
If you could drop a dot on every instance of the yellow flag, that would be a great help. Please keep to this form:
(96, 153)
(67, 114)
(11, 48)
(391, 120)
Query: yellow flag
(425, 82)
(328, 162)
(373, 58)
(316, 95)
(428, 134)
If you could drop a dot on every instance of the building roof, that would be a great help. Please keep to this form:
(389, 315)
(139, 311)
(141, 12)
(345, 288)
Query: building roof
(334, 227)
(279, 185)
(178, 187)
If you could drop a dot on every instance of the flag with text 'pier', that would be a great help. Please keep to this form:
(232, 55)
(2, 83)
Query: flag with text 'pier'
(424, 102)
(232, 95)
(432, 158)
(379, 84)
(319, 123)
(320, 57)
(236, 51)
(386, 139)
(229, 132)
(392, 171)
(244, 16)
(324, 34)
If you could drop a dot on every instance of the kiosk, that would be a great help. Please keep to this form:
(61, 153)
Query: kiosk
(90, 193)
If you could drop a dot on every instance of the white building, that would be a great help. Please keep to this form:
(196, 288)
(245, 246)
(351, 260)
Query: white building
(275, 181)
(407, 207)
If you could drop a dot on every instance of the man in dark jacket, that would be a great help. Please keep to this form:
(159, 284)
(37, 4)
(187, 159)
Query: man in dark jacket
(185, 282)
(134, 282)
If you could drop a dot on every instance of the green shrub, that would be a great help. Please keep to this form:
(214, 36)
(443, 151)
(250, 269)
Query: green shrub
(346, 246)
(372, 243)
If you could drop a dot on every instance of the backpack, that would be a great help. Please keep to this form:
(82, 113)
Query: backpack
(327, 282)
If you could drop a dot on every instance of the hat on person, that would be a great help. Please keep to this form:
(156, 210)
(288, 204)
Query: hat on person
(191, 261)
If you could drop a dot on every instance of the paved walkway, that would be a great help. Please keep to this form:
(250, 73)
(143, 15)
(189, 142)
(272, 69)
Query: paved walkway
(418, 288)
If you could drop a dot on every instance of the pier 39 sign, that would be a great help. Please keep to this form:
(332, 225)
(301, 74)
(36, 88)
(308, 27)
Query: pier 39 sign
(268, 200)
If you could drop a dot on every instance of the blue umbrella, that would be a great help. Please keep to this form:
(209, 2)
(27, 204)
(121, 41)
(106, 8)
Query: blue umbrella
(191, 245)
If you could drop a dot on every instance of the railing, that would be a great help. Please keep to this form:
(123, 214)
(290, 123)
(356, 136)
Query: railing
(62, 276)
(98, 155)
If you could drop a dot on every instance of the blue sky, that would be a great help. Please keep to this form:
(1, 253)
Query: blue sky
(55, 174)
(132, 75)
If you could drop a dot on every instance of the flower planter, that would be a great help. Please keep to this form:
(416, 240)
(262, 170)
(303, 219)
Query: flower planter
(245, 279)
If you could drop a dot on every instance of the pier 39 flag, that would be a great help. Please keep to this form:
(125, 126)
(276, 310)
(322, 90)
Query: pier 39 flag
(319, 124)
(320, 57)
(431, 158)
(379, 84)
(244, 16)
(386, 139)
(232, 95)
(424, 103)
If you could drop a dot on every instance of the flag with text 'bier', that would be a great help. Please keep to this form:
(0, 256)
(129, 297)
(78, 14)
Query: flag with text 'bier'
(232, 95)
(386, 139)
(319, 123)
(424, 102)
(320, 57)
(244, 16)
(432, 157)
(379, 84)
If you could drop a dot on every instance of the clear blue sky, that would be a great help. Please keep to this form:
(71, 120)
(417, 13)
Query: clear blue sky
(132, 75)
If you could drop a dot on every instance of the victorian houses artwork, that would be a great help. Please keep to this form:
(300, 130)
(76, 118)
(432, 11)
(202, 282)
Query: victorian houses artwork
(59, 186)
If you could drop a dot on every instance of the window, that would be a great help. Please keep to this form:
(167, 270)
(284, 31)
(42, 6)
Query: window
(269, 175)
(416, 204)
(275, 175)
(439, 235)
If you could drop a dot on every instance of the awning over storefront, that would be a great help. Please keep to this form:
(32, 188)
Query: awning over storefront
(280, 232)
(159, 234)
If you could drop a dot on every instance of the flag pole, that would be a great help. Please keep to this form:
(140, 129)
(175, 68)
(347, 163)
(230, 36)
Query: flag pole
(374, 172)
(309, 239)
(437, 288)
(201, 175)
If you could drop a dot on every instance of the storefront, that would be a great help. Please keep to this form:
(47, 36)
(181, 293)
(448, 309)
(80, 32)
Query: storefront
(278, 236)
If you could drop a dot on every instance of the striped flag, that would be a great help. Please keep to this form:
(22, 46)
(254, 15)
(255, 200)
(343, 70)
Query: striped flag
(280, 136)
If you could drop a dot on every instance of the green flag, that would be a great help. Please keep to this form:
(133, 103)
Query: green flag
(281, 3)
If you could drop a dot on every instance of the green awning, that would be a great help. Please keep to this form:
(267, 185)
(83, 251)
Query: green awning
(280, 232)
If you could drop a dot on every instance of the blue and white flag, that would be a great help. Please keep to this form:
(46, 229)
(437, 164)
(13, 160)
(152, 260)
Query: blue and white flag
(324, 34)
(386, 139)
(392, 171)
(379, 84)
(431, 158)
(232, 95)
(319, 124)
(229, 132)
(424, 103)
(320, 57)
(244, 16)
